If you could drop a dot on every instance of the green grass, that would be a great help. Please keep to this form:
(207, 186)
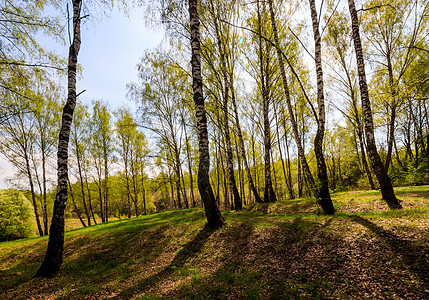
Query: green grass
(284, 250)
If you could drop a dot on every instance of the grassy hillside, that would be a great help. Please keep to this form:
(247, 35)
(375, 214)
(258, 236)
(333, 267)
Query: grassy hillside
(284, 250)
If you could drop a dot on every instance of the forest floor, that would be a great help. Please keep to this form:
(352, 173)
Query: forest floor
(284, 250)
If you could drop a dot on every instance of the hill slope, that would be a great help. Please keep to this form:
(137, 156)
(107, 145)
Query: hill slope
(284, 250)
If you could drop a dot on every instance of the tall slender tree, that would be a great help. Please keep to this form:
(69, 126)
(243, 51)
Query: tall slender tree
(337, 39)
(17, 139)
(102, 149)
(377, 165)
(215, 219)
(54, 254)
(324, 198)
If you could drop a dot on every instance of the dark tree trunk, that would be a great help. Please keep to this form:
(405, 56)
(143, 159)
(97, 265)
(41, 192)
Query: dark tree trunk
(217, 153)
(90, 200)
(178, 186)
(214, 217)
(269, 195)
(288, 185)
(54, 254)
(255, 168)
(185, 196)
(75, 206)
(225, 189)
(79, 167)
(276, 187)
(300, 183)
(134, 174)
(324, 198)
(236, 199)
(243, 151)
(333, 171)
(358, 124)
(188, 154)
(289, 172)
(44, 205)
(42, 185)
(100, 198)
(398, 159)
(127, 180)
(377, 165)
(240, 173)
(136, 193)
(143, 190)
(392, 117)
(36, 175)
(364, 161)
(106, 183)
(33, 194)
(172, 189)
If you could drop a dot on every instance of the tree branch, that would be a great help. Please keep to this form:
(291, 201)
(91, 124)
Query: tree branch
(375, 7)
(418, 48)
(41, 65)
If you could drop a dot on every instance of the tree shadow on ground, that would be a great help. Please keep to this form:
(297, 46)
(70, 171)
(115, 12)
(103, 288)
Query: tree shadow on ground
(189, 250)
(232, 278)
(413, 256)
(297, 259)
(259, 262)
(93, 258)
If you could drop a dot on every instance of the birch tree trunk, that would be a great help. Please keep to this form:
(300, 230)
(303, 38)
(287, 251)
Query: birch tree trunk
(54, 254)
(324, 198)
(214, 217)
(377, 165)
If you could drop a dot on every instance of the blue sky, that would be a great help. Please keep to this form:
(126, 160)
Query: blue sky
(111, 48)
(110, 51)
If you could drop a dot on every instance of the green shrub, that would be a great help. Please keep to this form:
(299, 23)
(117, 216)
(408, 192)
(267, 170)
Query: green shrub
(16, 216)
(151, 208)
(418, 175)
